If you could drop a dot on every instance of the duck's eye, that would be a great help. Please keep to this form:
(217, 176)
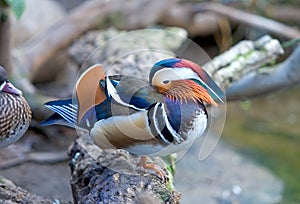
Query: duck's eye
(166, 82)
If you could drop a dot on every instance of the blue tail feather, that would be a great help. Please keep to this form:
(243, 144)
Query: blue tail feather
(65, 113)
(56, 119)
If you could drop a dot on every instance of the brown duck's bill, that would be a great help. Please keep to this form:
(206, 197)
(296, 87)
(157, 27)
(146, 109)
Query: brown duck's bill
(10, 88)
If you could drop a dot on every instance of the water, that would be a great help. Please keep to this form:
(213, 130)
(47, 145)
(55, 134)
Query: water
(267, 129)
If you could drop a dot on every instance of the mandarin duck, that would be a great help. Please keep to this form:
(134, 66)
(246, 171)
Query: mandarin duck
(149, 118)
(15, 113)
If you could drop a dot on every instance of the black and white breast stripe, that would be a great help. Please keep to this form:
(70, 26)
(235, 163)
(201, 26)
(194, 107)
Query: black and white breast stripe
(160, 126)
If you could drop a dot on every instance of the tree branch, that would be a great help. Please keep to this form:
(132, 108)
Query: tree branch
(245, 69)
(89, 15)
(283, 13)
(285, 74)
(10, 193)
(248, 19)
(242, 58)
(201, 24)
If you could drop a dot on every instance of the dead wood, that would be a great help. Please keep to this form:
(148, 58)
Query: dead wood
(10, 194)
(111, 176)
(248, 69)
(249, 19)
(283, 13)
(35, 157)
(283, 75)
(197, 24)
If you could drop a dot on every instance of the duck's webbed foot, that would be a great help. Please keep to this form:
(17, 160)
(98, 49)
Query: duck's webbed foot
(158, 171)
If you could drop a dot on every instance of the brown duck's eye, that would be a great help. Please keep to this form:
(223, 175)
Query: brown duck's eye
(166, 82)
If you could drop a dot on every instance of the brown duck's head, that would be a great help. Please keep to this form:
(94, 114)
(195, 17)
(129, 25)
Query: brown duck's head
(5, 85)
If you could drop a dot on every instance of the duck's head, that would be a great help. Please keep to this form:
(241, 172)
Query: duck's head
(184, 80)
(5, 85)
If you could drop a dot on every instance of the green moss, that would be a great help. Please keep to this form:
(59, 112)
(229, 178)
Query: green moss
(170, 161)
(269, 132)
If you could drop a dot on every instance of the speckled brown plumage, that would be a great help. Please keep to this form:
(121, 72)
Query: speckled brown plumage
(15, 113)
(15, 117)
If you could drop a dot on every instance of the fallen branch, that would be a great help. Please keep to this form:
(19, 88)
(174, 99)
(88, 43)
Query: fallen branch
(197, 24)
(246, 69)
(283, 13)
(248, 19)
(111, 176)
(283, 75)
(10, 193)
(242, 58)
(35, 157)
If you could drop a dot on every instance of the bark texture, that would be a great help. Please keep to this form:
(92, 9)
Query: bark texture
(10, 193)
(111, 176)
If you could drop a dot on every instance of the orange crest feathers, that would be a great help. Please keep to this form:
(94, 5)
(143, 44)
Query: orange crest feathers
(88, 89)
(185, 90)
(200, 92)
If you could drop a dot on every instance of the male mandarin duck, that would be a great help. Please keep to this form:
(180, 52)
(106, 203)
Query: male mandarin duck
(155, 118)
(15, 113)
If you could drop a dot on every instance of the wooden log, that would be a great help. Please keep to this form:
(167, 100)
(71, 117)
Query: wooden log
(10, 194)
(111, 176)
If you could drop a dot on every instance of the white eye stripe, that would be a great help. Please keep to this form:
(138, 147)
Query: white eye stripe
(172, 74)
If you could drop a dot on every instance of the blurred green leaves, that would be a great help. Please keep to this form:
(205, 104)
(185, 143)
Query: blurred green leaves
(17, 6)
(245, 105)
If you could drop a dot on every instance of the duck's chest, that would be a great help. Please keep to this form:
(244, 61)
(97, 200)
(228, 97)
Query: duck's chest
(189, 119)
(15, 117)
